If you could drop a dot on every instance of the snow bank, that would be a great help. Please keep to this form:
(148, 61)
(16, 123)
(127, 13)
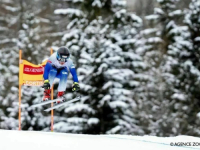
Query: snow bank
(30, 140)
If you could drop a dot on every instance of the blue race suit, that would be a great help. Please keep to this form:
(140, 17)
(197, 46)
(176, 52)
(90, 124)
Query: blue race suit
(54, 69)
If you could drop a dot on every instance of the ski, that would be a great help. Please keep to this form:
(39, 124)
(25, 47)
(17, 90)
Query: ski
(63, 103)
(45, 102)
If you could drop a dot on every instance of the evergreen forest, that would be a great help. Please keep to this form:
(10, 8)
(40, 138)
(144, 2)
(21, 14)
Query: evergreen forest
(138, 66)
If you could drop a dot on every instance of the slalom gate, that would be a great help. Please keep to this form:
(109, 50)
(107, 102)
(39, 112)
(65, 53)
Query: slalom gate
(31, 75)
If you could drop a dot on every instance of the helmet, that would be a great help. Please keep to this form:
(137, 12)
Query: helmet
(62, 54)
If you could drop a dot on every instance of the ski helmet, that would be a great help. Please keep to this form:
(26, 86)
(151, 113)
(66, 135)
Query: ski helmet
(63, 54)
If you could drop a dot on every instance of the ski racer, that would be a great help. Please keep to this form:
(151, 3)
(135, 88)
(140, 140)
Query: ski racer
(59, 65)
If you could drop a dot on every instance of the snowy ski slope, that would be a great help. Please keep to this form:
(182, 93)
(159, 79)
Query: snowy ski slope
(30, 140)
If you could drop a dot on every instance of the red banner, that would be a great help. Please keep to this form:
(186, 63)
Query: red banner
(33, 70)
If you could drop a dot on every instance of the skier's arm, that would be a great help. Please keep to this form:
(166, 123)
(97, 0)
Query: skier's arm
(74, 75)
(73, 72)
(75, 86)
(46, 70)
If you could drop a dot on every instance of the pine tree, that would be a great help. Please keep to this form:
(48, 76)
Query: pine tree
(166, 43)
(8, 63)
(23, 28)
(105, 58)
(127, 68)
(189, 76)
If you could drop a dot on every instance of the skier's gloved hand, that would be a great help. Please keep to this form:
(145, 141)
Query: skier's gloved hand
(75, 87)
(46, 84)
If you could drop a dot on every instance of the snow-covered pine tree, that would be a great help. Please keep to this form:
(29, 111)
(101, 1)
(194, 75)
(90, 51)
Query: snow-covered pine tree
(24, 25)
(125, 69)
(183, 57)
(34, 24)
(8, 63)
(105, 59)
(167, 42)
(190, 73)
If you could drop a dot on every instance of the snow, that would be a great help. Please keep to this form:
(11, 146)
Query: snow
(3, 28)
(97, 3)
(126, 42)
(35, 140)
(14, 89)
(79, 107)
(76, 120)
(133, 56)
(154, 39)
(119, 104)
(197, 39)
(114, 130)
(12, 9)
(198, 114)
(14, 69)
(75, 1)
(119, 2)
(158, 11)
(68, 11)
(120, 13)
(92, 121)
(149, 31)
(70, 25)
(180, 97)
(135, 17)
(160, 1)
(86, 56)
(106, 98)
(152, 17)
(73, 33)
(107, 85)
(175, 13)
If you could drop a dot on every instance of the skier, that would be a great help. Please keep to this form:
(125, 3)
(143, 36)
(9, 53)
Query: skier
(59, 65)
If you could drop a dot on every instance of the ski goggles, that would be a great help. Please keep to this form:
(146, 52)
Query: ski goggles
(62, 58)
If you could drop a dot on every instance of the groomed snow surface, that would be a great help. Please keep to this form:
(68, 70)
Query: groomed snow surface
(31, 140)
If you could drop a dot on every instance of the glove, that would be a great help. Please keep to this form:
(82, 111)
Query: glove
(75, 87)
(46, 85)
